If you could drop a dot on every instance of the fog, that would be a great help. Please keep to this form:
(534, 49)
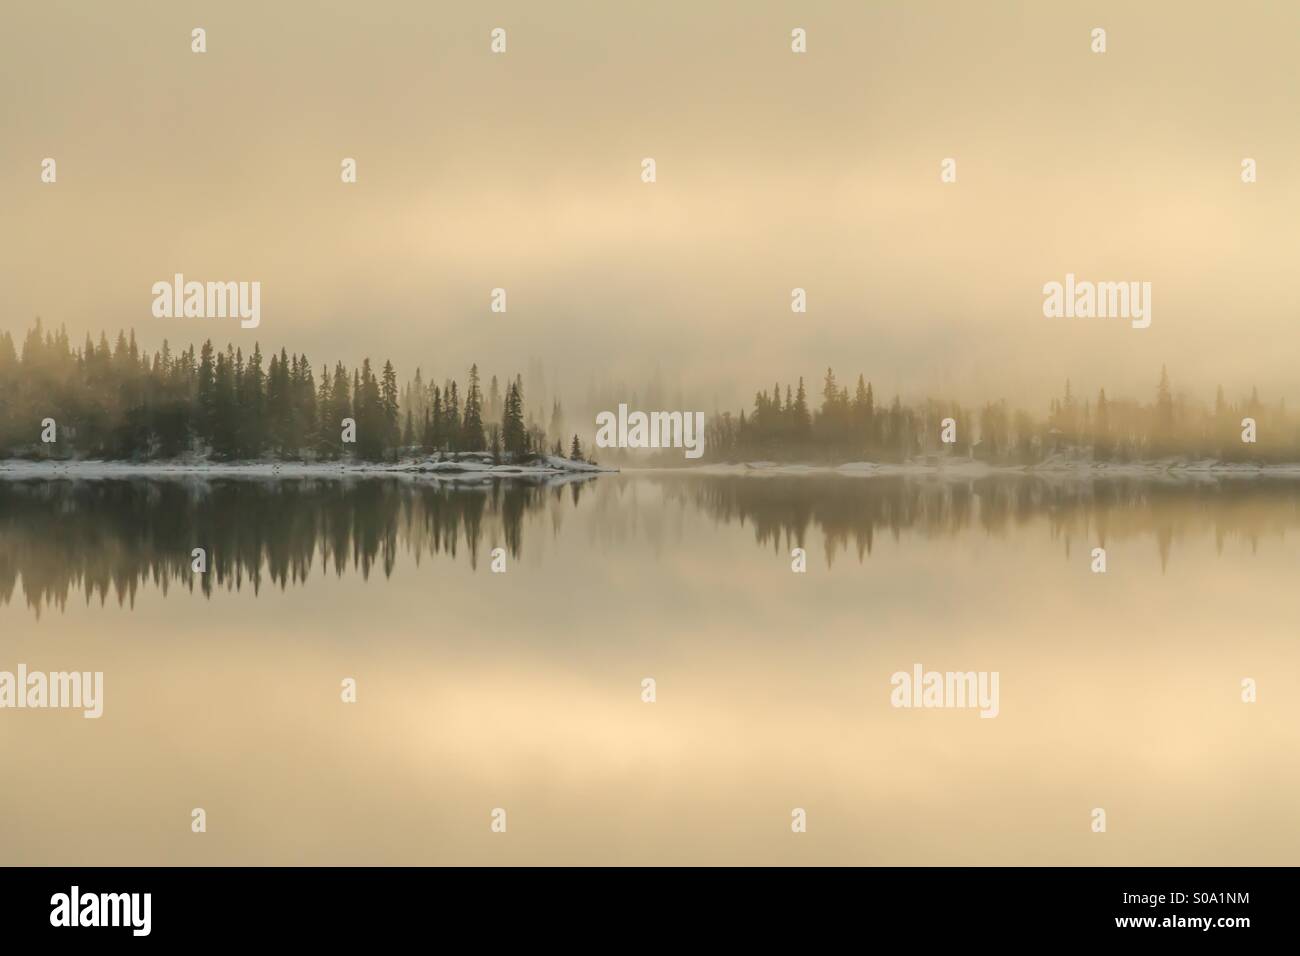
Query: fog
(775, 170)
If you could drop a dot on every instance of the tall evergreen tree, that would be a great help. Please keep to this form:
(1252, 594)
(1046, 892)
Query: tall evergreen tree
(437, 432)
(205, 419)
(388, 401)
(252, 406)
(225, 407)
(514, 436)
(451, 423)
(472, 428)
(341, 397)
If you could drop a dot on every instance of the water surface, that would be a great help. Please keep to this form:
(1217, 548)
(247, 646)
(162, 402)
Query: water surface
(522, 689)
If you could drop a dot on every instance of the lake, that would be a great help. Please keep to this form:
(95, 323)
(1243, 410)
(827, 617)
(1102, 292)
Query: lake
(478, 690)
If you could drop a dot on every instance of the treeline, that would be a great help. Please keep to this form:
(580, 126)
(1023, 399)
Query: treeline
(784, 425)
(118, 402)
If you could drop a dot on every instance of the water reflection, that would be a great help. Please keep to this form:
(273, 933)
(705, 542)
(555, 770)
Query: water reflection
(113, 536)
(851, 511)
(523, 690)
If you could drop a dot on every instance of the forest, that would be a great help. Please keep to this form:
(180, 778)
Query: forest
(116, 401)
(844, 427)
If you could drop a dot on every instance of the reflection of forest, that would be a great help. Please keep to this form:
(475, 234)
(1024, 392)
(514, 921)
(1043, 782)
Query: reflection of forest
(851, 511)
(110, 536)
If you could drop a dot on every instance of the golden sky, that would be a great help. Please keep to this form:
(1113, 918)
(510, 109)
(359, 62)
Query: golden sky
(775, 170)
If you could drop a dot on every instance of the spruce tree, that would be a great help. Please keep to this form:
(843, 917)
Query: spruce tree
(205, 417)
(451, 424)
(390, 435)
(332, 427)
(252, 406)
(224, 408)
(514, 437)
(437, 434)
(322, 437)
(472, 428)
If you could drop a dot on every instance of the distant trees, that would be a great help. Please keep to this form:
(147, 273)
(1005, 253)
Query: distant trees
(112, 401)
(781, 426)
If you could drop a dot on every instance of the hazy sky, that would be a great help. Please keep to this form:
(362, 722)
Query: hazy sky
(775, 170)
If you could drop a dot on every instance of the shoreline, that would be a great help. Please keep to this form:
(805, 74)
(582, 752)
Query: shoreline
(477, 469)
(469, 470)
(967, 469)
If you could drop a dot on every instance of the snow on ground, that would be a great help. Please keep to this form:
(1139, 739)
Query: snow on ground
(483, 465)
(965, 468)
(478, 467)
(462, 468)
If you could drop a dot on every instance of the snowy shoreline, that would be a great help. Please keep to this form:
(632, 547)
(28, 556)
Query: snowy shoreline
(475, 468)
(966, 469)
(471, 468)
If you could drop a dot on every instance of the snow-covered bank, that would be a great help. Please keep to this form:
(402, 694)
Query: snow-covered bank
(462, 468)
(964, 468)
(477, 468)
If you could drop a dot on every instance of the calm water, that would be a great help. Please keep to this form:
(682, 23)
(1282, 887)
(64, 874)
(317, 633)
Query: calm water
(522, 690)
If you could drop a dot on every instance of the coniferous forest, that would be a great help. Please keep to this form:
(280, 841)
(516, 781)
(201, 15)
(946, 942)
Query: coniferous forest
(784, 425)
(113, 400)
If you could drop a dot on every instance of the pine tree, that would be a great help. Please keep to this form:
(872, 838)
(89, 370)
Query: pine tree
(305, 416)
(514, 436)
(205, 419)
(389, 435)
(252, 406)
(323, 436)
(472, 429)
(451, 424)
(371, 414)
(830, 394)
(802, 417)
(437, 436)
(342, 408)
(224, 407)
(280, 403)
